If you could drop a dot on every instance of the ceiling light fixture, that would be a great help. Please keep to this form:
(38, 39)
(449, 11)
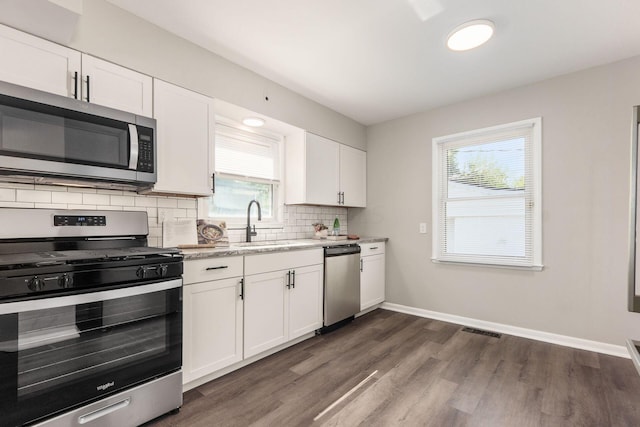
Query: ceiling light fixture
(254, 122)
(470, 34)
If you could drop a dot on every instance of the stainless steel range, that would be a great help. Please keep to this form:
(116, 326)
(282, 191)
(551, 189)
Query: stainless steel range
(90, 319)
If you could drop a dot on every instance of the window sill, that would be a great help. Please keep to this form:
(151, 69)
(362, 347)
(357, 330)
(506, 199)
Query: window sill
(487, 265)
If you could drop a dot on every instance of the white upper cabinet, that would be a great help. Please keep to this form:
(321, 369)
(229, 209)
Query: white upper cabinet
(185, 135)
(320, 171)
(39, 64)
(111, 85)
(353, 176)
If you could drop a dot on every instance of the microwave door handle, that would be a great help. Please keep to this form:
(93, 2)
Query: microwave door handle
(133, 151)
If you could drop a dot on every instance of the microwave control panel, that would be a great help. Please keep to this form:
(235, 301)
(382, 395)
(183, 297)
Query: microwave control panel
(145, 150)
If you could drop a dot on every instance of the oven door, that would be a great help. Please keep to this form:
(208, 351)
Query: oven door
(60, 353)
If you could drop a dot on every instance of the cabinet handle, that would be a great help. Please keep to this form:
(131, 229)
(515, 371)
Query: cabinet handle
(293, 275)
(338, 197)
(361, 265)
(289, 279)
(217, 268)
(373, 248)
(242, 289)
(75, 85)
(88, 90)
(213, 183)
(342, 197)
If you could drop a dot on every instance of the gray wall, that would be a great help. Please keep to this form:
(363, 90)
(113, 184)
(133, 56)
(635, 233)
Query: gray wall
(109, 32)
(586, 130)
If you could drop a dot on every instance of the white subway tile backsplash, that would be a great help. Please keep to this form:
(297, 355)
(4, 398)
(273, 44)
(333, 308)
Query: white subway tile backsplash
(83, 207)
(50, 206)
(187, 203)
(122, 200)
(95, 199)
(33, 196)
(16, 205)
(51, 188)
(59, 197)
(167, 203)
(296, 219)
(110, 192)
(146, 201)
(7, 195)
(81, 190)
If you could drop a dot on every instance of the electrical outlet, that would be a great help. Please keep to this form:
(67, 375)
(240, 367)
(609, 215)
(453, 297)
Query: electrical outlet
(423, 228)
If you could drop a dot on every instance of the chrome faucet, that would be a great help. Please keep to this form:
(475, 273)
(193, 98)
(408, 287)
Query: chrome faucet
(250, 231)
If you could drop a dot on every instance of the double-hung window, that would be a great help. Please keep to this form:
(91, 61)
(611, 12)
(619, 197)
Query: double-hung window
(247, 167)
(487, 196)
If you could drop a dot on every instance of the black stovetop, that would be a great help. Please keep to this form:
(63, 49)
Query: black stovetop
(53, 258)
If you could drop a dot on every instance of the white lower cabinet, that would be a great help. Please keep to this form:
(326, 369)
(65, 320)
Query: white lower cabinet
(284, 304)
(212, 316)
(372, 271)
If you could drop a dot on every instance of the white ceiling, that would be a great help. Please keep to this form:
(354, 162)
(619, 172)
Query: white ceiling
(375, 60)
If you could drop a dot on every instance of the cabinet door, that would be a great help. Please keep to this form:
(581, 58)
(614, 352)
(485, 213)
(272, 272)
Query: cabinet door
(305, 300)
(264, 312)
(212, 327)
(372, 281)
(111, 85)
(185, 140)
(37, 63)
(353, 176)
(322, 160)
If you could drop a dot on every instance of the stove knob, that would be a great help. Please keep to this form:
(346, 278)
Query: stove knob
(35, 284)
(161, 270)
(65, 281)
(141, 272)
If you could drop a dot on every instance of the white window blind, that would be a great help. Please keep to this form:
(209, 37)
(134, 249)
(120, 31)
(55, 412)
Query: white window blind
(246, 154)
(486, 196)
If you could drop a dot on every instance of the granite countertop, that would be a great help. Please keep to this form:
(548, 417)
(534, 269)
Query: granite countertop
(271, 246)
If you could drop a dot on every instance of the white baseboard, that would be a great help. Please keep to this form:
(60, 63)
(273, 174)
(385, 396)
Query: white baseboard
(598, 347)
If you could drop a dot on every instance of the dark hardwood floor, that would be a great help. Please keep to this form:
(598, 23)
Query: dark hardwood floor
(428, 373)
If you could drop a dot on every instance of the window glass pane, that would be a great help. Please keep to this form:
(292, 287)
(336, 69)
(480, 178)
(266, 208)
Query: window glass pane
(233, 196)
(487, 199)
(490, 169)
(486, 227)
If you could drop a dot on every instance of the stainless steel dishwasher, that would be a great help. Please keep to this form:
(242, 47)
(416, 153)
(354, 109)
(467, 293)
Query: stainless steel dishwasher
(341, 285)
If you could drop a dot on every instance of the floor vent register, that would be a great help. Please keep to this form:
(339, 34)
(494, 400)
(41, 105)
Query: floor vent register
(482, 332)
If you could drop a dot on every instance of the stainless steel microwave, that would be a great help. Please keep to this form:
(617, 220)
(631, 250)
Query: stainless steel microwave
(54, 139)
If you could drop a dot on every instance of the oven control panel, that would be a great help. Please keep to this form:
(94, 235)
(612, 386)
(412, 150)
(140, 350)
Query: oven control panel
(79, 220)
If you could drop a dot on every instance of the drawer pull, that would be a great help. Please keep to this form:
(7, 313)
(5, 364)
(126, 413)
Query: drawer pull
(373, 248)
(217, 268)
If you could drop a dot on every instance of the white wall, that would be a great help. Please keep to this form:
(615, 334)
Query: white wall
(586, 132)
(111, 33)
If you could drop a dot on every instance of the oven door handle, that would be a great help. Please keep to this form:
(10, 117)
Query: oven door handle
(89, 297)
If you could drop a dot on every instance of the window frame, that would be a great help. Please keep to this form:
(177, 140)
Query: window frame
(533, 215)
(276, 222)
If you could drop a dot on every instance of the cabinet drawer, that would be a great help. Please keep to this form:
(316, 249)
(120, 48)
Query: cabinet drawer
(262, 263)
(202, 270)
(372, 248)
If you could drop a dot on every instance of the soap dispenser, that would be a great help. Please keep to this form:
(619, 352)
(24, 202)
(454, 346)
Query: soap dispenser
(336, 227)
